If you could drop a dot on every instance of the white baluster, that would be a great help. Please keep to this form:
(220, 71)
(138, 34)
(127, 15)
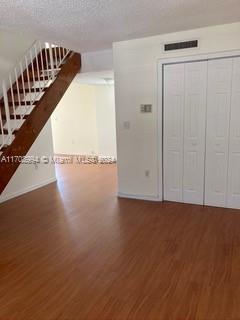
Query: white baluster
(13, 101)
(1, 127)
(56, 57)
(33, 75)
(47, 63)
(28, 79)
(7, 113)
(51, 61)
(37, 65)
(59, 53)
(42, 64)
(18, 91)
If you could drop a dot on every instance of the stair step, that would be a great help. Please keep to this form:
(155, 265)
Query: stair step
(5, 139)
(55, 69)
(22, 103)
(22, 110)
(32, 90)
(34, 78)
(3, 147)
(16, 117)
(5, 131)
(17, 104)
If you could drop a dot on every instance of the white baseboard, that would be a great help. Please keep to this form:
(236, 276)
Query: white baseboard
(139, 197)
(26, 190)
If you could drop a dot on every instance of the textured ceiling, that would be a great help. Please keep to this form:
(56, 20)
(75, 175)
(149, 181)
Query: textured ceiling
(102, 77)
(89, 25)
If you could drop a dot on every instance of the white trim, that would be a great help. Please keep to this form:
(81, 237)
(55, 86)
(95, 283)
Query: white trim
(160, 63)
(26, 190)
(138, 197)
(199, 56)
(159, 115)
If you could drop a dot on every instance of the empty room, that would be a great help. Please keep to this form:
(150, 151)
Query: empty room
(120, 160)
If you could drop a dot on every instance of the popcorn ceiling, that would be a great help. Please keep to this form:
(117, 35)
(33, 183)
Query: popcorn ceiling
(90, 25)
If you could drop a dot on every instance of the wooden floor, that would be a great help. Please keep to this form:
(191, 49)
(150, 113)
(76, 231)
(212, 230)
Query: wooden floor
(75, 251)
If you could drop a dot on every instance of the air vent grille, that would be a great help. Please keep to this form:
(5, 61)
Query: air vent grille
(181, 45)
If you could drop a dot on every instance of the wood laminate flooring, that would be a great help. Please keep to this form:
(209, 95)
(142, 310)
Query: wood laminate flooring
(73, 250)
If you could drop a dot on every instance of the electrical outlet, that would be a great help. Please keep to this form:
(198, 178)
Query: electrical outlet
(126, 125)
(147, 173)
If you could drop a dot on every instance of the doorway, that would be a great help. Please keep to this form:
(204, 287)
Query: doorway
(83, 124)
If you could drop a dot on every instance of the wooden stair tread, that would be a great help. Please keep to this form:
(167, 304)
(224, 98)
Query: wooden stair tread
(5, 131)
(35, 78)
(17, 104)
(3, 148)
(17, 117)
(27, 90)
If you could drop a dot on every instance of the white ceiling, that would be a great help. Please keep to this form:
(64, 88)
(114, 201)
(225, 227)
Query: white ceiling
(104, 77)
(89, 25)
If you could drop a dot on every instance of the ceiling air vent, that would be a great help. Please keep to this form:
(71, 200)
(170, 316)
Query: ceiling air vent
(181, 45)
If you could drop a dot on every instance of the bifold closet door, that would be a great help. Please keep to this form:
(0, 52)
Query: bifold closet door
(173, 131)
(234, 141)
(184, 131)
(194, 131)
(218, 125)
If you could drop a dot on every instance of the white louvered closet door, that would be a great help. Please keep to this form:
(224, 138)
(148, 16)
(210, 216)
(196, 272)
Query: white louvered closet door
(173, 131)
(218, 125)
(234, 141)
(184, 131)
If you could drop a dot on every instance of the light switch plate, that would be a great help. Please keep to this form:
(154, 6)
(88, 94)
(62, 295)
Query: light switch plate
(146, 108)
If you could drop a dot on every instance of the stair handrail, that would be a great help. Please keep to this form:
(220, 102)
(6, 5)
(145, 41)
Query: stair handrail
(25, 83)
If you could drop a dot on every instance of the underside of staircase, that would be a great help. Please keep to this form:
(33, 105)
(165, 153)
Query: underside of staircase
(30, 95)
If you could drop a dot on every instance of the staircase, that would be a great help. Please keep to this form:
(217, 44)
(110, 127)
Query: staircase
(30, 94)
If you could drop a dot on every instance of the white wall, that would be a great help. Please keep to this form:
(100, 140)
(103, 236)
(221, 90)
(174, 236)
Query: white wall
(135, 70)
(74, 121)
(28, 176)
(12, 48)
(97, 61)
(106, 120)
(84, 121)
